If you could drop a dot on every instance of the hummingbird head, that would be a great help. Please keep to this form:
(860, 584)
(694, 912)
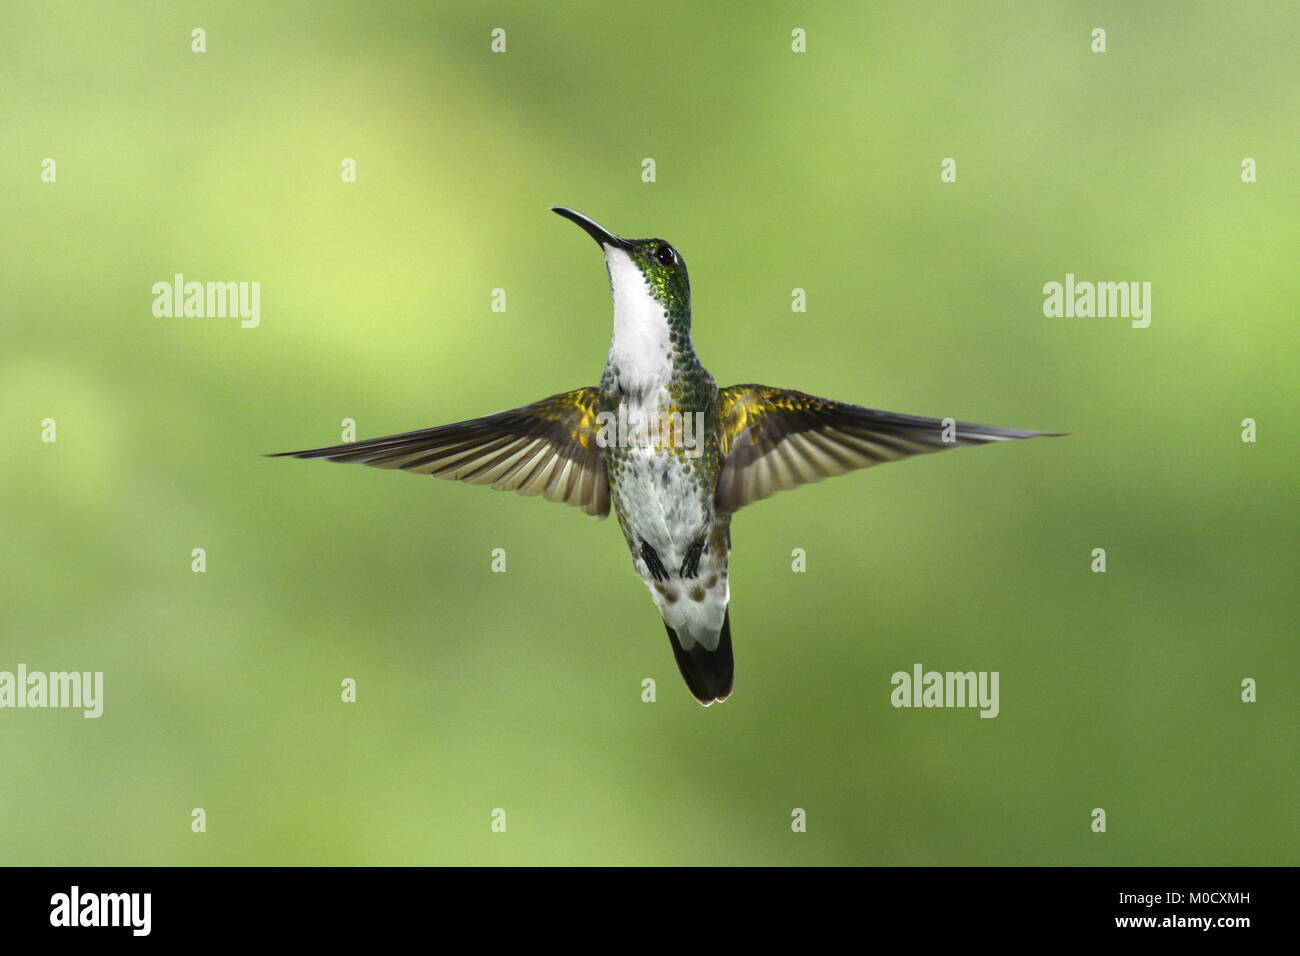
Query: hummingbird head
(641, 271)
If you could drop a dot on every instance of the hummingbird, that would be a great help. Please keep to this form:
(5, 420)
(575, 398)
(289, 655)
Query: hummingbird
(673, 488)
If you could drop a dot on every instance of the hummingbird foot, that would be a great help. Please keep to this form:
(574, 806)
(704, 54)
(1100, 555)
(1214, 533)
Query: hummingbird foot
(691, 563)
(653, 563)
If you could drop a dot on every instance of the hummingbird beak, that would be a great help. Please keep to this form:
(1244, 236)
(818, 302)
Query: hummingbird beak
(593, 228)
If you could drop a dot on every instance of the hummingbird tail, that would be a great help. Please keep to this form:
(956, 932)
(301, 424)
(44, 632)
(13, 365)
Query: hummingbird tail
(709, 674)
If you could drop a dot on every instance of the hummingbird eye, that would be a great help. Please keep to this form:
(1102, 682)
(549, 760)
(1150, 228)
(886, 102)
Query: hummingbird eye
(665, 254)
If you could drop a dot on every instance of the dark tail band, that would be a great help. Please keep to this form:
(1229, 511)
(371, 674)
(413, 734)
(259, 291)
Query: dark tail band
(709, 674)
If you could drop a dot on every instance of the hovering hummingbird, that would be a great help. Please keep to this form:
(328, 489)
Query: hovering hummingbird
(673, 489)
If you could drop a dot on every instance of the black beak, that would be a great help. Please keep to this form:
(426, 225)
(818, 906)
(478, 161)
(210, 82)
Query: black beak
(593, 228)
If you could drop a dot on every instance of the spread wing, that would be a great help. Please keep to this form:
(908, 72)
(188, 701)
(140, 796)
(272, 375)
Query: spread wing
(548, 448)
(774, 438)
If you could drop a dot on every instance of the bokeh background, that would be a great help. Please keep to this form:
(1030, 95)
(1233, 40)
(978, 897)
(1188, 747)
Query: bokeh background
(522, 690)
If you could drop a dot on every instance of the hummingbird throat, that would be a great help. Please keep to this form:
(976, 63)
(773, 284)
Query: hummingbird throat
(650, 345)
(644, 347)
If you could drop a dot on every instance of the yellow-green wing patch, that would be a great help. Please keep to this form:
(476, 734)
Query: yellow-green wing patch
(548, 448)
(775, 438)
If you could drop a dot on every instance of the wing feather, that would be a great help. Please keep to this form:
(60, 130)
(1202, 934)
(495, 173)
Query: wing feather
(774, 439)
(548, 448)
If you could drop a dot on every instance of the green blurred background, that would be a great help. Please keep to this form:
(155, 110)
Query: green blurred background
(521, 690)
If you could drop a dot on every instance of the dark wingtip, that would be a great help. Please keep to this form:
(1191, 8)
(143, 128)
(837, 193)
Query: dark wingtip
(709, 675)
(982, 434)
